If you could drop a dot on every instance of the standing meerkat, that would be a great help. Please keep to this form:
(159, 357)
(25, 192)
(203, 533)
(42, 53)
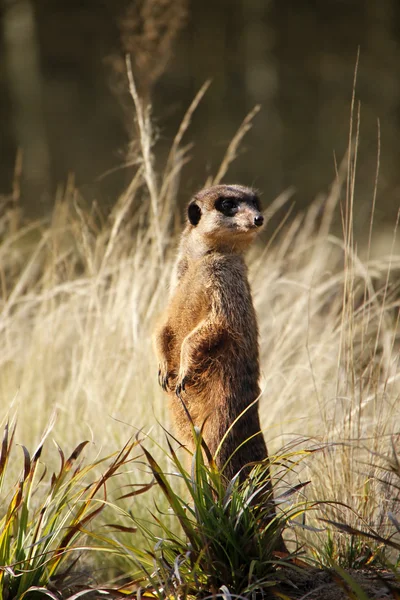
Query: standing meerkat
(207, 344)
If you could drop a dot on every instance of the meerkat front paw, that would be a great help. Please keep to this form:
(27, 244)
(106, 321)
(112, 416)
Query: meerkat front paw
(182, 381)
(181, 386)
(163, 377)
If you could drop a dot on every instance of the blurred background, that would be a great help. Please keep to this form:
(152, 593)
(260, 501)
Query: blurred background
(64, 106)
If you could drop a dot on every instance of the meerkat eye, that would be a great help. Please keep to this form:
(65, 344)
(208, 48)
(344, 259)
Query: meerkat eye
(256, 203)
(228, 206)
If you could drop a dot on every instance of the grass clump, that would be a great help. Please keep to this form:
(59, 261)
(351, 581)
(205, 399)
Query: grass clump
(45, 521)
(228, 531)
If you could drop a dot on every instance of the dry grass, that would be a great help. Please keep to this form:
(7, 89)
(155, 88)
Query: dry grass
(80, 297)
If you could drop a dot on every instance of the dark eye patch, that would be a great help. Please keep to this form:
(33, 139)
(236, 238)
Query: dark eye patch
(256, 202)
(228, 206)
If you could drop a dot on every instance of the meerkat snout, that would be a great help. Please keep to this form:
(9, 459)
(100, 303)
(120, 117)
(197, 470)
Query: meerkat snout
(258, 221)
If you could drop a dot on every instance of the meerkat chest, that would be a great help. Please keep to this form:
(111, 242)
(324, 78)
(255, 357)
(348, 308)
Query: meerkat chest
(233, 296)
(190, 303)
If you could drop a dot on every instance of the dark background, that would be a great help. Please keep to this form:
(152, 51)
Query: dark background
(63, 97)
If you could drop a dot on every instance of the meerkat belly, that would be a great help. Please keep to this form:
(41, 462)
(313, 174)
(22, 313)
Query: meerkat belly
(227, 383)
(238, 361)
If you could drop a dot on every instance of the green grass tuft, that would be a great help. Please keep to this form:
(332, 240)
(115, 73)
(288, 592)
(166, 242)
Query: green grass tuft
(43, 527)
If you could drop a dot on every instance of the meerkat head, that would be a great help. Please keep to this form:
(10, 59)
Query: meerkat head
(226, 216)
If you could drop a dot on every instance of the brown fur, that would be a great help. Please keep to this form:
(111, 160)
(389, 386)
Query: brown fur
(208, 341)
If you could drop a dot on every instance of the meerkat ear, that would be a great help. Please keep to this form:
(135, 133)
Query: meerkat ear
(194, 213)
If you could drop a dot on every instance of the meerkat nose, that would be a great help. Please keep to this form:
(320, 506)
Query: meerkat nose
(258, 221)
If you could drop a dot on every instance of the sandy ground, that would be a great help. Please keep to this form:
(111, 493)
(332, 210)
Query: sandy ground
(312, 584)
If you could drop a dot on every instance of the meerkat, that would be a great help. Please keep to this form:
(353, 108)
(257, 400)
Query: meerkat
(207, 343)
